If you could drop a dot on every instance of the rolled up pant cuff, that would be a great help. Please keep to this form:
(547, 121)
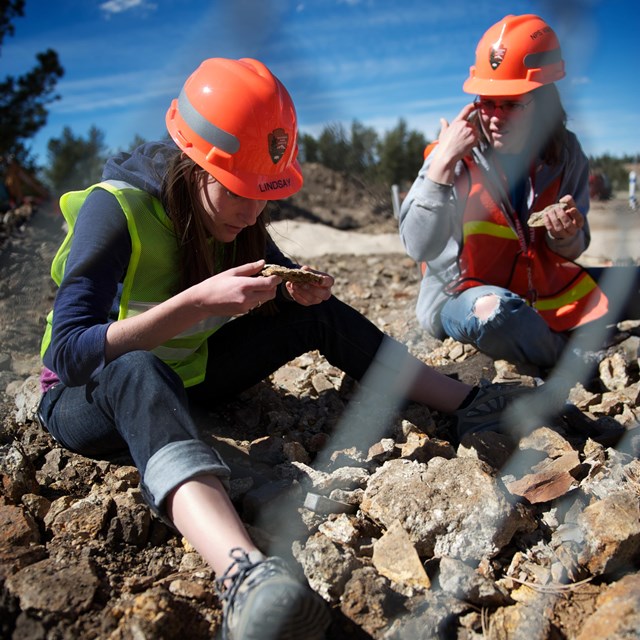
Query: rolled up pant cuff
(176, 463)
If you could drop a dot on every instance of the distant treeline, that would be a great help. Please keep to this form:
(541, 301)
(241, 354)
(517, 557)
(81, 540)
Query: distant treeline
(74, 162)
(393, 158)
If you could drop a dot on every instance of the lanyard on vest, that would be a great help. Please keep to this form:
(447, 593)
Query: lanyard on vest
(499, 194)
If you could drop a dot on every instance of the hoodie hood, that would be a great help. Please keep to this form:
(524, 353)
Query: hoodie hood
(144, 168)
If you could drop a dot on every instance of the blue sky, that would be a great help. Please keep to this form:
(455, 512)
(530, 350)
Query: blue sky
(342, 60)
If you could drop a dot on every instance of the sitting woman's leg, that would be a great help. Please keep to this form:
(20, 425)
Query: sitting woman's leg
(138, 405)
(248, 349)
(502, 325)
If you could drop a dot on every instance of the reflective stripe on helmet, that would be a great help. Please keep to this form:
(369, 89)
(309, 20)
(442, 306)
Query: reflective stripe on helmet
(205, 129)
(542, 58)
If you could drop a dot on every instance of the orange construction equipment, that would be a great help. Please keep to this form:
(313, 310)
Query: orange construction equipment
(21, 185)
(516, 55)
(237, 121)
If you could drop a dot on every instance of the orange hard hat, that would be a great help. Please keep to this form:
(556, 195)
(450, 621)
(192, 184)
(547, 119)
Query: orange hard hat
(237, 121)
(515, 56)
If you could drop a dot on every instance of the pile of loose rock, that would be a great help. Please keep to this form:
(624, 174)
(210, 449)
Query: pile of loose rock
(405, 532)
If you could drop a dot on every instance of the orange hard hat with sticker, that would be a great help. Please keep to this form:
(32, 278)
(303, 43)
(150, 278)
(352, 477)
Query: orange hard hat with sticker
(237, 121)
(516, 55)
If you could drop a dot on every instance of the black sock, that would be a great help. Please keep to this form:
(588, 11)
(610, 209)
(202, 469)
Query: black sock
(469, 398)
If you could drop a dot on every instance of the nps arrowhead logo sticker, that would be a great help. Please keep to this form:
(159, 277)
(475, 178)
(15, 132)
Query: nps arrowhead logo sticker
(278, 140)
(496, 55)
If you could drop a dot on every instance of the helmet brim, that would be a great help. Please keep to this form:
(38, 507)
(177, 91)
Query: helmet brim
(260, 187)
(483, 87)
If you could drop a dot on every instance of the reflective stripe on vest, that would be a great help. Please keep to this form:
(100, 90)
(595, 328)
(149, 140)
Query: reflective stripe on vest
(583, 288)
(488, 229)
(152, 274)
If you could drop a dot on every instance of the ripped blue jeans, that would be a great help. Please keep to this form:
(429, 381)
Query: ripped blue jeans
(511, 331)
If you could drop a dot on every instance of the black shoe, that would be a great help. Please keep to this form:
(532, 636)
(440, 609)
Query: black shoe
(263, 601)
(485, 411)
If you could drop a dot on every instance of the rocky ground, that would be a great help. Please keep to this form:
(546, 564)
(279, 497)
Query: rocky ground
(406, 533)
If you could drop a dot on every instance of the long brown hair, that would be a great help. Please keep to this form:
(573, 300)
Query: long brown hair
(201, 256)
(549, 132)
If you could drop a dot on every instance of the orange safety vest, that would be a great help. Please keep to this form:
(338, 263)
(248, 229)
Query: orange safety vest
(506, 253)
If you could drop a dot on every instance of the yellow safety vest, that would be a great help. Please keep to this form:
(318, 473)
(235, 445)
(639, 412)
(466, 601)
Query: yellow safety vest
(152, 276)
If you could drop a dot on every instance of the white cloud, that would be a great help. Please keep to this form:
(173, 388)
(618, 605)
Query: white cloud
(119, 6)
(118, 91)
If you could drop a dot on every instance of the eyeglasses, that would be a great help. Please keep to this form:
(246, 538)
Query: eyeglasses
(508, 107)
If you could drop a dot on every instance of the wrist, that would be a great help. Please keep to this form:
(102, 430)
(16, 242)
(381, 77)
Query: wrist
(442, 172)
(192, 302)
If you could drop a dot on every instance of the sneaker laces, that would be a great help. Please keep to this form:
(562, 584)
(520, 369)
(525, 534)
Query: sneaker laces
(238, 572)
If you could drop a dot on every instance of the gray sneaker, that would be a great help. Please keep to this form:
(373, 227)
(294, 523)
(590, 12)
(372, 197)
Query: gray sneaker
(484, 412)
(263, 601)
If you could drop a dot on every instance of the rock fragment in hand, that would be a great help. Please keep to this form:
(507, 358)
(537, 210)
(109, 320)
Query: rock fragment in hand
(291, 275)
(536, 219)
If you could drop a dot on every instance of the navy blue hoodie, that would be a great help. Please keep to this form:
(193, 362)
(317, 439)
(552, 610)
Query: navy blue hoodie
(88, 297)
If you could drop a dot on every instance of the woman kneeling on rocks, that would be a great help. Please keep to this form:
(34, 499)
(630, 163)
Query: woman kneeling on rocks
(159, 304)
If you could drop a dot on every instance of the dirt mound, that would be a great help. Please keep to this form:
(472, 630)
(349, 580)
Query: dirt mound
(339, 200)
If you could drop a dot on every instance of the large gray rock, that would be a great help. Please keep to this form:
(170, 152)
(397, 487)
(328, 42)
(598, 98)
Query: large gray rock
(327, 565)
(452, 508)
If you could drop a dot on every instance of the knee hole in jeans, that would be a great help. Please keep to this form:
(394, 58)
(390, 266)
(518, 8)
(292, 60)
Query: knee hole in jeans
(486, 307)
